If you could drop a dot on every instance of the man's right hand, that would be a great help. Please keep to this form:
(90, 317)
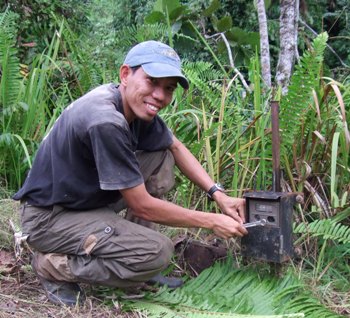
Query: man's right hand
(226, 227)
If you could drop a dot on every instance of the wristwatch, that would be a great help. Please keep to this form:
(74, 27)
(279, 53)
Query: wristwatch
(213, 189)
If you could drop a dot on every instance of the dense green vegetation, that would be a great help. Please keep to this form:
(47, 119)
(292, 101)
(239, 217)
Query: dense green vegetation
(54, 51)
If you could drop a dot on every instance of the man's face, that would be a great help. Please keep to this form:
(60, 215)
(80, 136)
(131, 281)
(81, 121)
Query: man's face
(145, 96)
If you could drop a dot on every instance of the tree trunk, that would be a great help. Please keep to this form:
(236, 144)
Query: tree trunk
(296, 24)
(288, 38)
(264, 43)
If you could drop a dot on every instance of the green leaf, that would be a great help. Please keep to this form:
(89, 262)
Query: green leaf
(224, 24)
(327, 229)
(177, 12)
(334, 196)
(267, 4)
(170, 5)
(242, 37)
(155, 17)
(214, 20)
(215, 5)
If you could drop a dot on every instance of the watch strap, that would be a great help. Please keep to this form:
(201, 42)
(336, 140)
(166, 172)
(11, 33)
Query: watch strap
(213, 189)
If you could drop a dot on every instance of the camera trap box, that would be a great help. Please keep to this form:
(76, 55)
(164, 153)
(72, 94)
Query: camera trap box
(272, 242)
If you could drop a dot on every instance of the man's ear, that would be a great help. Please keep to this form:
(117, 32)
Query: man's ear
(124, 72)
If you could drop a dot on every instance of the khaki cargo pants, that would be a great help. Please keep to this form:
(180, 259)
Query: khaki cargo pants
(99, 246)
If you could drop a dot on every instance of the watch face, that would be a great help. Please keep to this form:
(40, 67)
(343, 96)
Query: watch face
(220, 187)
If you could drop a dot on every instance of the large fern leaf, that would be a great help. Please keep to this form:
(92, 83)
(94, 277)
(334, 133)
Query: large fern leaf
(204, 78)
(136, 33)
(9, 63)
(306, 77)
(327, 229)
(223, 291)
(159, 310)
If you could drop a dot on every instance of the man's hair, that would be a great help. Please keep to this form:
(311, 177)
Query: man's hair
(135, 68)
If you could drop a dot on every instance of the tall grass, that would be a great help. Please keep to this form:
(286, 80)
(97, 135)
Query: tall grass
(27, 121)
(48, 85)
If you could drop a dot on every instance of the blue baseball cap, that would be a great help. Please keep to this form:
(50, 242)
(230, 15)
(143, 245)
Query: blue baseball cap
(157, 60)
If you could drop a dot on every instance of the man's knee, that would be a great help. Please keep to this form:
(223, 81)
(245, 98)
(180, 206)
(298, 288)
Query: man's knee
(53, 266)
(162, 178)
(166, 253)
(156, 258)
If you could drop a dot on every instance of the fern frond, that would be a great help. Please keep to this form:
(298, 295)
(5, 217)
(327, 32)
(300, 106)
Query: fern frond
(223, 291)
(295, 105)
(8, 24)
(9, 64)
(327, 229)
(158, 310)
(204, 78)
(131, 35)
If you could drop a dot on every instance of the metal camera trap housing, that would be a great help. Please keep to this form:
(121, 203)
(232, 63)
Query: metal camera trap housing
(271, 241)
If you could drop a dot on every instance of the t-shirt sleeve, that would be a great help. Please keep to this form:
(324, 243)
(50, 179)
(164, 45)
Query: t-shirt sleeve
(116, 163)
(155, 136)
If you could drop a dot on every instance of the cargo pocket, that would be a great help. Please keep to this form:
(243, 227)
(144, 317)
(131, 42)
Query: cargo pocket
(96, 240)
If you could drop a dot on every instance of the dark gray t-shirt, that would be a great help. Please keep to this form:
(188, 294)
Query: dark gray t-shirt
(89, 154)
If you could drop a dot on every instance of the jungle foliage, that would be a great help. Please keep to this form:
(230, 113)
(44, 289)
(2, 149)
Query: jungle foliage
(52, 52)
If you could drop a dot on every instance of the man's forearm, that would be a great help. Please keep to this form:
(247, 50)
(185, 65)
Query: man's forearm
(152, 209)
(190, 166)
(164, 212)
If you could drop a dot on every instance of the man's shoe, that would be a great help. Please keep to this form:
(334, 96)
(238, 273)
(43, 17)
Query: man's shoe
(60, 293)
(160, 280)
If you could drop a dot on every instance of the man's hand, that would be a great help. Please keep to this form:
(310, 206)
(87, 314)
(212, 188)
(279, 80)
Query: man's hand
(233, 207)
(226, 227)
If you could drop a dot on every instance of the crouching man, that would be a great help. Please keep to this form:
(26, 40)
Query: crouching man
(109, 150)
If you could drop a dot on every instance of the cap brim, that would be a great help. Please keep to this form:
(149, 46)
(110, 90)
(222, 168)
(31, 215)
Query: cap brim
(158, 70)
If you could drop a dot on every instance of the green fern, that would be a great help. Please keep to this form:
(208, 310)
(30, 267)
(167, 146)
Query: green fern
(158, 310)
(8, 22)
(137, 33)
(295, 105)
(327, 229)
(224, 291)
(206, 81)
(9, 64)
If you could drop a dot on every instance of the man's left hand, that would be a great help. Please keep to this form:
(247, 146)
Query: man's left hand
(233, 207)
